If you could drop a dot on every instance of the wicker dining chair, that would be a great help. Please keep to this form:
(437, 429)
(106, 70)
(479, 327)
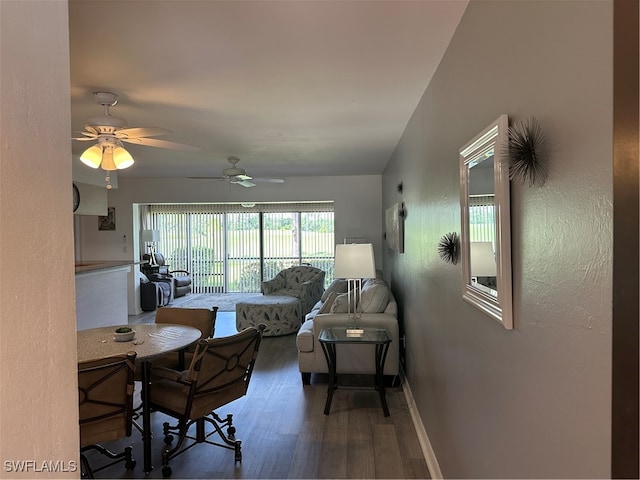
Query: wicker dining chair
(219, 373)
(204, 319)
(105, 400)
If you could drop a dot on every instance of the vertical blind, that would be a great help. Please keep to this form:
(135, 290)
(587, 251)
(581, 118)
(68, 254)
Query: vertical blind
(232, 248)
(481, 218)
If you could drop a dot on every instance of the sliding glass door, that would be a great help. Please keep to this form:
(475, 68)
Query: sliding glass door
(280, 236)
(204, 244)
(228, 249)
(242, 272)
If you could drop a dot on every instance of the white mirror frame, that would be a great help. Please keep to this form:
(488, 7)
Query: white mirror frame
(498, 307)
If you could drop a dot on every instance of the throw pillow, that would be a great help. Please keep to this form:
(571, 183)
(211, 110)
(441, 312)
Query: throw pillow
(339, 285)
(326, 306)
(341, 303)
(374, 297)
(372, 281)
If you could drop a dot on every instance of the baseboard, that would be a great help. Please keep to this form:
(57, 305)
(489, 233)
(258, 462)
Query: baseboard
(423, 438)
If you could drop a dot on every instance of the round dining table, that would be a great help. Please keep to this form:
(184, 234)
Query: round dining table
(150, 341)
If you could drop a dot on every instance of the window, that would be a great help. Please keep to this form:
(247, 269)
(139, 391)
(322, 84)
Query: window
(231, 248)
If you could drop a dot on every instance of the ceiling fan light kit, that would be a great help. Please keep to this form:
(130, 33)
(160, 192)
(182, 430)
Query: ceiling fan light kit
(110, 132)
(107, 154)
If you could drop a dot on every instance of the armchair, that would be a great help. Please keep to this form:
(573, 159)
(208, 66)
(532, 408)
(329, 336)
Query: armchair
(105, 402)
(180, 279)
(219, 373)
(155, 291)
(302, 281)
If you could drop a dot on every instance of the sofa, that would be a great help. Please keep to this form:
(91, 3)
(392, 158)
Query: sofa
(301, 281)
(379, 309)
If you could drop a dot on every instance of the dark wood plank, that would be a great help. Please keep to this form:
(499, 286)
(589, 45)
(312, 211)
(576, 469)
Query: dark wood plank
(360, 445)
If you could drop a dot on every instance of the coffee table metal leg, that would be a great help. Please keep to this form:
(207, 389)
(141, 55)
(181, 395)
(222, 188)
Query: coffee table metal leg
(381, 355)
(330, 354)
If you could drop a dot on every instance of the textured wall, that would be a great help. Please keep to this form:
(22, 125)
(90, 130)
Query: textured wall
(38, 397)
(533, 402)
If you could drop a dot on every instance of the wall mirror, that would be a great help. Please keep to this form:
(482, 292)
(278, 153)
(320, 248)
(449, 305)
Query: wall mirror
(486, 223)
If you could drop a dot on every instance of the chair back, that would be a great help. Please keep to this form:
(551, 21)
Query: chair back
(203, 319)
(221, 369)
(297, 275)
(159, 262)
(159, 259)
(105, 398)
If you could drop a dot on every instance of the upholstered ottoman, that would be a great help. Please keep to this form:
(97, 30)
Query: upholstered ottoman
(281, 314)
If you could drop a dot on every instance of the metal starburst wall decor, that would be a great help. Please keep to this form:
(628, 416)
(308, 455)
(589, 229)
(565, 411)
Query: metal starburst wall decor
(526, 152)
(449, 247)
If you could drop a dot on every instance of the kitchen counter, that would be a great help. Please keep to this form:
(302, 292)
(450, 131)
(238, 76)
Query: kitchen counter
(101, 293)
(93, 265)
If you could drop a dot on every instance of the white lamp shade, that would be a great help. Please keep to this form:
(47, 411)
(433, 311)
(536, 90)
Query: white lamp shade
(121, 158)
(483, 261)
(150, 235)
(92, 156)
(107, 159)
(354, 260)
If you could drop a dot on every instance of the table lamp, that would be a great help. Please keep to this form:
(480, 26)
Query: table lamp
(354, 262)
(151, 239)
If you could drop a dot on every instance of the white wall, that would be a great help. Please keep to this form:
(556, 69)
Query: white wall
(93, 199)
(357, 203)
(38, 363)
(533, 402)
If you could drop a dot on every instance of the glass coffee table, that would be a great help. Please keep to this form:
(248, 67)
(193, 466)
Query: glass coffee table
(330, 337)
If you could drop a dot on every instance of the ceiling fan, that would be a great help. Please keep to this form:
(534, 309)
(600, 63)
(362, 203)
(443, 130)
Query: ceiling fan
(109, 132)
(238, 176)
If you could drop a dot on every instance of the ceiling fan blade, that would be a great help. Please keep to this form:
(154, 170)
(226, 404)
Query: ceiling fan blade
(245, 183)
(84, 139)
(86, 135)
(269, 180)
(152, 142)
(137, 132)
(242, 177)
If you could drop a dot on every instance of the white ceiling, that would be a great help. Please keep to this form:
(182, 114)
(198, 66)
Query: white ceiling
(292, 88)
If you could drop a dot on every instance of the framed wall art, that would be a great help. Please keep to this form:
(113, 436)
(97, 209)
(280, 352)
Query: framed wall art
(108, 221)
(394, 227)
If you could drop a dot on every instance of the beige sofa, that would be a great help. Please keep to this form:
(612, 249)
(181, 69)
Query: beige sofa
(379, 309)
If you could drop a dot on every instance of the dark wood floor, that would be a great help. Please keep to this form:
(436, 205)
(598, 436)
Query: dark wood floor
(285, 434)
